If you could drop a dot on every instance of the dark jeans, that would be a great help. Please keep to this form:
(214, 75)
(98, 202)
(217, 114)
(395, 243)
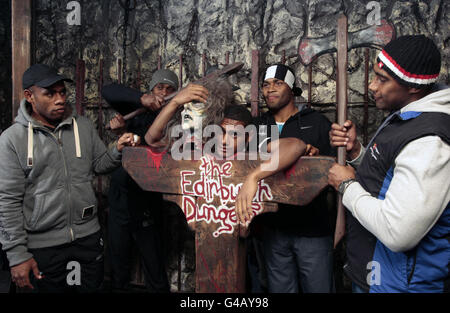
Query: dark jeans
(135, 215)
(119, 230)
(75, 266)
(292, 260)
(357, 289)
(255, 265)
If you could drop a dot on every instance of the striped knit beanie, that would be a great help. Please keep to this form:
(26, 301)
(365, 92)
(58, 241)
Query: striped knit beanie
(413, 60)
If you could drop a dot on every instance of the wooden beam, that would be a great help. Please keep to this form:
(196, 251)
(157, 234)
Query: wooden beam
(159, 172)
(80, 78)
(254, 88)
(21, 47)
(205, 190)
(341, 111)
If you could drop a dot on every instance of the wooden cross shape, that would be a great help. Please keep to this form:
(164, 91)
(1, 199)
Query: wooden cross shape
(206, 190)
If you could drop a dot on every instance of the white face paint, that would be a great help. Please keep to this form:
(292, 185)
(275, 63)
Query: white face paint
(192, 115)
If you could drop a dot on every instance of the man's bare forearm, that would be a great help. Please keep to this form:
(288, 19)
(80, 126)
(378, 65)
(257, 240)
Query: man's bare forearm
(156, 130)
(287, 150)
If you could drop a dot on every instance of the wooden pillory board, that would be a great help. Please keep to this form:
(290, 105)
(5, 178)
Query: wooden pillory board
(205, 190)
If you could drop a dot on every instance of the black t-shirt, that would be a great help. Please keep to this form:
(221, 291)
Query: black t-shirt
(312, 220)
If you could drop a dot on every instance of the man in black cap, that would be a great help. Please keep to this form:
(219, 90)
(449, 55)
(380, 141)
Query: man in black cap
(398, 232)
(297, 241)
(135, 214)
(48, 211)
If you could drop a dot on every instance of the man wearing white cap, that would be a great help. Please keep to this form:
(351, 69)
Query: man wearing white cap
(297, 241)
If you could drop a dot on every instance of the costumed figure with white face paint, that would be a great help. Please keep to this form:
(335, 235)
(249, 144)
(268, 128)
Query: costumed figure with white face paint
(194, 107)
(192, 115)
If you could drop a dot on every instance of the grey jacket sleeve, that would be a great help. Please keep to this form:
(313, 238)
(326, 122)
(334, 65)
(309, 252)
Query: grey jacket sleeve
(357, 161)
(13, 236)
(104, 160)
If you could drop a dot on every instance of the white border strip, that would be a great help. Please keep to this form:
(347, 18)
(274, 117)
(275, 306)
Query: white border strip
(397, 72)
(288, 79)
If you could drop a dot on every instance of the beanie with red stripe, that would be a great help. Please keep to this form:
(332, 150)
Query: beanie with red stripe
(412, 60)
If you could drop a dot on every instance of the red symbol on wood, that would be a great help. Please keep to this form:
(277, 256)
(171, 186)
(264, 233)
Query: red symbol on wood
(156, 158)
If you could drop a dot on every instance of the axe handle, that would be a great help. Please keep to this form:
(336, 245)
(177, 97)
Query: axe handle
(229, 69)
(129, 116)
(341, 90)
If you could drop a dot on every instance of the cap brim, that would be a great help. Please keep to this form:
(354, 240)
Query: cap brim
(297, 91)
(52, 80)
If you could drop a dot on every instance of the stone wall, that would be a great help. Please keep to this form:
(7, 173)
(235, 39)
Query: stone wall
(148, 28)
(5, 65)
(141, 30)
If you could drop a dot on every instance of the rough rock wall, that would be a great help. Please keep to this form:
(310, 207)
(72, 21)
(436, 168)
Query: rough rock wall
(5, 65)
(148, 28)
(143, 29)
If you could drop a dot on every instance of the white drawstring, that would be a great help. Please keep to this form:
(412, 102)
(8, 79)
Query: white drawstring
(30, 142)
(77, 138)
(30, 145)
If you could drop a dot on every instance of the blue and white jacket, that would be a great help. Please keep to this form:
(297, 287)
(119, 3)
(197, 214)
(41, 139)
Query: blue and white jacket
(398, 221)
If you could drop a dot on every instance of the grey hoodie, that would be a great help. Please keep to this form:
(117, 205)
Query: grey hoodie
(46, 193)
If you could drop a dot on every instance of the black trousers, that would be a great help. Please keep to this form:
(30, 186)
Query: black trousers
(135, 215)
(72, 267)
(5, 274)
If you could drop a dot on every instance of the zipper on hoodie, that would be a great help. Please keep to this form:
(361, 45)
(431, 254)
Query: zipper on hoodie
(410, 276)
(66, 172)
(59, 144)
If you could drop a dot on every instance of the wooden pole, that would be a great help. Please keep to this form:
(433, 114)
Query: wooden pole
(180, 74)
(119, 70)
(80, 76)
(21, 47)
(254, 88)
(283, 57)
(310, 83)
(341, 90)
(138, 78)
(366, 96)
(203, 64)
(100, 126)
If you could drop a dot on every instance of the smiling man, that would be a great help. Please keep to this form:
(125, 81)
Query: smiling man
(48, 209)
(398, 235)
(297, 241)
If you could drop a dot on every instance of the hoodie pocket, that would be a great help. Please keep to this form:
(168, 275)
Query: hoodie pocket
(48, 212)
(85, 202)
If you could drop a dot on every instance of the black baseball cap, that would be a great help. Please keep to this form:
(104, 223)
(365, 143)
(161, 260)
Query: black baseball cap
(41, 75)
